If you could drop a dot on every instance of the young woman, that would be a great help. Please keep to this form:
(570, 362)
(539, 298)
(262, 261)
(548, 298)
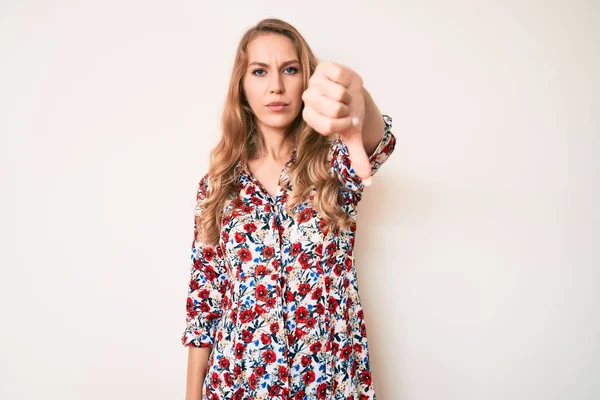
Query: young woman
(273, 309)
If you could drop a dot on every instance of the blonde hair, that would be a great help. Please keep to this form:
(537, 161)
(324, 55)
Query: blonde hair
(239, 142)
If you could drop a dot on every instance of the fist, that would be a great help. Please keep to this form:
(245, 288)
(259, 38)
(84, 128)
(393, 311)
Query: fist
(334, 101)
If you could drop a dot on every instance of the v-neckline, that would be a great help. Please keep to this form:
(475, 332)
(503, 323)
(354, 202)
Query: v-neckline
(253, 178)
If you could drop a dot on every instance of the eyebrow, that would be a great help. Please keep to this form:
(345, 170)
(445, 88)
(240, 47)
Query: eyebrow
(261, 64)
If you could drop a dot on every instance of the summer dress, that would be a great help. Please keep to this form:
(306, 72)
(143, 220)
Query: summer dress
(278, 299)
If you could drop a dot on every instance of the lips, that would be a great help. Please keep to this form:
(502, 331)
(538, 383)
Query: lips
(277, 106)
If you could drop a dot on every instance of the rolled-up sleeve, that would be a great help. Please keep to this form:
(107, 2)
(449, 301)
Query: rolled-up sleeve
(352, 184)
(206, 287)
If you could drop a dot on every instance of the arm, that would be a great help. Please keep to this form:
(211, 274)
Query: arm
(196, 371)
(372, 129)
(206, 293)
(373, 125)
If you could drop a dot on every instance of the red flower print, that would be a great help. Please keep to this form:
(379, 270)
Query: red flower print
(274, 390)
(283, 373)
(303, 289)
(189, 304)
(289, 296)
(239, 237)
(308, 377)
(260, 370)
(305, 215)
(252, 381)
(365, 377)
(319, 249)
(348, 263)
(305, 361)
(322, 391)
(274, 327)
(224, 363)
(204, 307)
(250, 227)
(209, 272)
(304, 260)
(316, 295)
(269, 356)
(296, 247)
(247, 336)
(256, 201)
(246, 315)
(337, 269)
(333, 305)
(265, 339)
(268, 252)
(320, 309)
(239, 394)
(208, 254)
(215, 380)
(331, 248)
(194, 285)
(261, 292)
(261, 271)
(330, 261)
(315, 347)
(239, 350)
(301, 314)
(237, 370)
(228, 379)
(244, 254)
(345, 353)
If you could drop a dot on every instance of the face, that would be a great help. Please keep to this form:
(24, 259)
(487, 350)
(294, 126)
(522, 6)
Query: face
(273, 75)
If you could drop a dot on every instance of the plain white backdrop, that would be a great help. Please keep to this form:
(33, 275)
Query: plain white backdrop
(477, 246)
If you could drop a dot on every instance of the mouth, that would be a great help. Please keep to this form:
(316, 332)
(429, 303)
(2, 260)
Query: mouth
(277, 106)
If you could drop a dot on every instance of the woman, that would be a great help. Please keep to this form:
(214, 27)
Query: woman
(273, 309)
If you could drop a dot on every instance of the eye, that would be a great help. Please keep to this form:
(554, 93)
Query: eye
(256, 70)
(294, 68)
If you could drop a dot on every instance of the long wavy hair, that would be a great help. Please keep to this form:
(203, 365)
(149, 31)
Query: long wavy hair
(240, 141)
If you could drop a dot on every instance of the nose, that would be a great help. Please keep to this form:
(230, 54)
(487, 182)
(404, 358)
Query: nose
(276, 84)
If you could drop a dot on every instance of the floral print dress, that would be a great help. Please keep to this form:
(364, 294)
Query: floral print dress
(277, 299)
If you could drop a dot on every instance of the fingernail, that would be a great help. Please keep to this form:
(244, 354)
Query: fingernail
(354, 121)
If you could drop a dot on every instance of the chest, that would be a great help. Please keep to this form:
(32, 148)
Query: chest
(268, 175)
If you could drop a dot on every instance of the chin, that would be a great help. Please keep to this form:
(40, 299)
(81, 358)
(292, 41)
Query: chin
(278, 121)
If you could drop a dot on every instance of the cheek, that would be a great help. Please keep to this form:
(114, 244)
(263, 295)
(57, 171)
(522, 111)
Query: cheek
(253, 92)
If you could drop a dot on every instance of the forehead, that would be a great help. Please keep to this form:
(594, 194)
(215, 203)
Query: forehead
(271, 48)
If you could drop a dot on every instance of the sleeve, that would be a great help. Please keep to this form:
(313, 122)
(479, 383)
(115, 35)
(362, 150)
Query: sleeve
(352, 184)
(206, 288)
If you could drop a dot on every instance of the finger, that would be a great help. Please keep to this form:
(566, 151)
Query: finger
(332, 90)
(337, 73)
(325, 105)
(323, 124)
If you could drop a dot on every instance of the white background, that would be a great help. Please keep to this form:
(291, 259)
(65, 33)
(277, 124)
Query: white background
(477, 245)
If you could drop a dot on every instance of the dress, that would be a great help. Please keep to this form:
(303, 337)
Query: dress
(278, 298)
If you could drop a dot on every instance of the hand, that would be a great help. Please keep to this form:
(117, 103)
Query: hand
(334, 101)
